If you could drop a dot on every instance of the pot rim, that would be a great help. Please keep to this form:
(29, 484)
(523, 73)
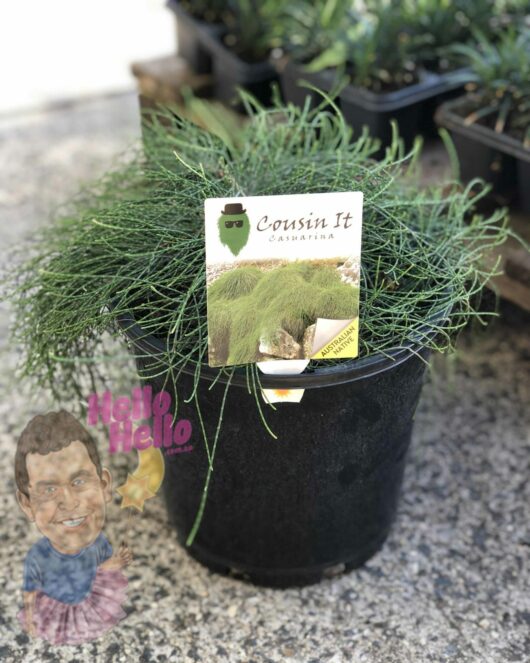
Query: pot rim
(348, 371)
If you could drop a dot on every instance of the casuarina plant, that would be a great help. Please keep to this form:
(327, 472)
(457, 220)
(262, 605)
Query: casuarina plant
(130, 256)
(136, 241)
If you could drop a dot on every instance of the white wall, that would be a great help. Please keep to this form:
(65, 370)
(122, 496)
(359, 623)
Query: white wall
(53, 50)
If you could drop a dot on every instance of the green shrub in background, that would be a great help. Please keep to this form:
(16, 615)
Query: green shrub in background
(377, 51)
(500, 73)
(384, 43)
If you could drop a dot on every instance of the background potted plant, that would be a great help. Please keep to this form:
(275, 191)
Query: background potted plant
(198, 22)
(298, 489)
(235, 48)
(241, 56)
(397, 56)
(490, 125)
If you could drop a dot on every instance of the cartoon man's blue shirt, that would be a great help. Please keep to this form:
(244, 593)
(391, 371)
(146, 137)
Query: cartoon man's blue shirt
(65, 578)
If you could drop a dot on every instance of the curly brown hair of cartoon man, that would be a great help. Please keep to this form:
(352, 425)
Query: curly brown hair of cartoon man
(51, 432)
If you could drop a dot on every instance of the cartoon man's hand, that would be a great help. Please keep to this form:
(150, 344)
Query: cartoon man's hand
(122, 558)
(125, 554)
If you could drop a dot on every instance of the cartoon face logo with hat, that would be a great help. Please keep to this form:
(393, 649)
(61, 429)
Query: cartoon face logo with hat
(234, 227)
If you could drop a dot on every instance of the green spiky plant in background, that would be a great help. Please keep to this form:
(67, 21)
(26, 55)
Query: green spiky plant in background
(378, 52)
(384, 43)
(134, 245)
(439, 24)
(500, 75)
(312, 28)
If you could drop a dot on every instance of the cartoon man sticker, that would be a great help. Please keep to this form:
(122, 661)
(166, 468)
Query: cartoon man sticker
(234, 227)
(73, 584)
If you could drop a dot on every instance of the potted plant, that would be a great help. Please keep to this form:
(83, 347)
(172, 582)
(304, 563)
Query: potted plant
(396, 57)
(310, 29)
(241, 56)
(237, 51)
(197, 24)
(490, 125)
(284, 494)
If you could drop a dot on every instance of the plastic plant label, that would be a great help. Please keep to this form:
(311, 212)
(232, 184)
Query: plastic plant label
(283, 277)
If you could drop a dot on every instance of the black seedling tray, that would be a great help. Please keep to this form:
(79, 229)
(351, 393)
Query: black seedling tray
(194, 38)
(497, 158)
(412, 107)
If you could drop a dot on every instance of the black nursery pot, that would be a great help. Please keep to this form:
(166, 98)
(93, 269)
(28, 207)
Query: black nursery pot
(231, 72)
(291, 77)
(497, 158)
(412, 107)
(194, 38)
(317, 501)
(363, 108)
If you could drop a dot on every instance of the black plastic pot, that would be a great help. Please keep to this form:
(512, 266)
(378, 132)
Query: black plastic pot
(194, 38)
(230, 72)
(291, 77)
(449, 86)
(363, 108)
(318, 500)
(412, 107)
(497, 158)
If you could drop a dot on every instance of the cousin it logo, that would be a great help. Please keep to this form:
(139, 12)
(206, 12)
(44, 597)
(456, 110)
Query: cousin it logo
(234, 227)
(120, 413)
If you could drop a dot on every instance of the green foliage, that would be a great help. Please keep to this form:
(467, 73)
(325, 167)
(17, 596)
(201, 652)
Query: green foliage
(134, 244)
(289, 297)
(254, 27)
(377, 50)
(385, 44)
(338, 302)
(219, 323)
(312, 28)
(234, 284)
(439, 24)
(325, 277)
(244, 332)
(501, 74)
